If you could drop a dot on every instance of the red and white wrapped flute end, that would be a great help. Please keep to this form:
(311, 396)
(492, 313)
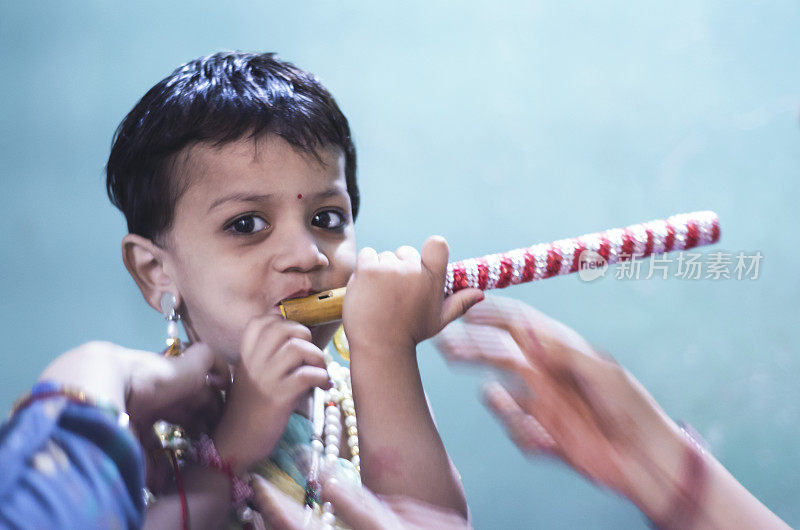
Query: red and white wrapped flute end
(495, 271)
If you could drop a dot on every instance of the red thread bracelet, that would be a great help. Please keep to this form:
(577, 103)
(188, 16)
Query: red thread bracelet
(208, 455)
(173, 457)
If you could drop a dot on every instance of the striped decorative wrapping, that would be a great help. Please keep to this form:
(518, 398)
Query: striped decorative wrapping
(495, 271)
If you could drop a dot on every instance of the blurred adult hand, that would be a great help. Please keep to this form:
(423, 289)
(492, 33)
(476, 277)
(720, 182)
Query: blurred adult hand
(358, 508)
(566, 400)
(148, 386)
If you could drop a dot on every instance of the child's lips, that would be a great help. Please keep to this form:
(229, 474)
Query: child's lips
(302, 293)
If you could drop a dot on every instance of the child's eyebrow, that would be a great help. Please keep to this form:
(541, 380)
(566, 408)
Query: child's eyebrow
(326, 194)
(250, 197)
(240, 197)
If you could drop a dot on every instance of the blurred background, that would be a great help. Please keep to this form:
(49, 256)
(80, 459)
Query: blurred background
(497, 125)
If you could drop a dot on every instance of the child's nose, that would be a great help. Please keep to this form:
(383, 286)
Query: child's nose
(299, 251)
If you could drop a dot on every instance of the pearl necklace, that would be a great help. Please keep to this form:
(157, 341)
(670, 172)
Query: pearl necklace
(340, 400)
(327, 411)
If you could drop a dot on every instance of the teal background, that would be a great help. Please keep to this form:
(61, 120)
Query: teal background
(498, 125)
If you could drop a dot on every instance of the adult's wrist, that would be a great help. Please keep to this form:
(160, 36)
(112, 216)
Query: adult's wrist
(671, 478)
(687, 506)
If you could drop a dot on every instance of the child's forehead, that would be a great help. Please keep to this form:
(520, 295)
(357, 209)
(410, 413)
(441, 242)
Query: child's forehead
(264, 162)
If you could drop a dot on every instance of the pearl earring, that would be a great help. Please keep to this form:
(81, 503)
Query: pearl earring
(169, 305)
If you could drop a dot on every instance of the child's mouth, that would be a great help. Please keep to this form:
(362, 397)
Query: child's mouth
(302, 293)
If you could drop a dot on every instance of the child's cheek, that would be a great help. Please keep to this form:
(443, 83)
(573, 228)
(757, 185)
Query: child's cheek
(345, 261)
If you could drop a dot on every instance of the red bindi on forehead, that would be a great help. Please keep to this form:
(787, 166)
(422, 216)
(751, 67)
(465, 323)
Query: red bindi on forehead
(299, 195)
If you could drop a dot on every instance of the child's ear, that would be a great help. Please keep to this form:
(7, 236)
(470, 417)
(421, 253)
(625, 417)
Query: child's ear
(145, 263)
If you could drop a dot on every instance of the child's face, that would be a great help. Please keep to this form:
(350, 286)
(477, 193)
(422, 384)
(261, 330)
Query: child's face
(258, 222)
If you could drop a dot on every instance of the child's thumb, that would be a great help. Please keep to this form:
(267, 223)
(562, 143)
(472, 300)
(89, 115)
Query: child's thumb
(457, 304)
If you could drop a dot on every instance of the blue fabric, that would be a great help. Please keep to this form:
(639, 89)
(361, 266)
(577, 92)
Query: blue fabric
(69, 465)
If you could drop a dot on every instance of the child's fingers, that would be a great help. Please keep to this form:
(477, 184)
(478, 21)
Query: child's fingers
(388, 258)
(294, 353)
(408, 253)
(366, 256)
(278, 509)
(253, 330)
(457, 304)
(435, 253)
(306, 377)
(273, 337)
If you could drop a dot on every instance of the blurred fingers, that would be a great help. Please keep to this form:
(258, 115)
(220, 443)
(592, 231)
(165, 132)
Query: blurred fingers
(543, 340)
(219, 373)
(507, 314)
(419, 514)
(183, 389)
(523, 429)
(189, 376)
(482, 345)
(198, 413)
(279, 510)
(357, 508)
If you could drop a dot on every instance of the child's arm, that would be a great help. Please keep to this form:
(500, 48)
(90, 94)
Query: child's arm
(278, 366)
(394, 301)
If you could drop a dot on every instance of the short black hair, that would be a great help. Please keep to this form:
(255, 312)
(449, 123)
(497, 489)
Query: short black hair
(217, 99)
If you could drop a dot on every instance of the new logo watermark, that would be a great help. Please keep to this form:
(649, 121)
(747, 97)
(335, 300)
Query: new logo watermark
(591, 266)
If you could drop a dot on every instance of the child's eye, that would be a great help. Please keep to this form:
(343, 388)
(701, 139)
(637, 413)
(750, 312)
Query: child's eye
(329, 219)
(248, 224)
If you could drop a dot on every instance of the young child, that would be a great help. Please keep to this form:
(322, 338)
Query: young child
(236, 175)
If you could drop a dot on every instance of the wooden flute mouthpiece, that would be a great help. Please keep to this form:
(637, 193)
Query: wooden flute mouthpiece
(318, 308)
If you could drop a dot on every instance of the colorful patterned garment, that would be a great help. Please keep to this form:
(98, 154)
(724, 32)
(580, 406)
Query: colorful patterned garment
(283, 467)
(69, 465)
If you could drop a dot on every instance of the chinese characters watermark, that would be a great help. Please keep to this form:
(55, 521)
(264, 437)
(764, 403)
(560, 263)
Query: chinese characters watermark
(683, 265)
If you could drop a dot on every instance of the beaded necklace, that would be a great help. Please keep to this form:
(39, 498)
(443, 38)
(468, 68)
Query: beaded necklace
(327, 411)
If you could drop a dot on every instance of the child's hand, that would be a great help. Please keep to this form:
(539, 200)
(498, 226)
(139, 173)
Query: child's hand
(396, 299)
(278, 365)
